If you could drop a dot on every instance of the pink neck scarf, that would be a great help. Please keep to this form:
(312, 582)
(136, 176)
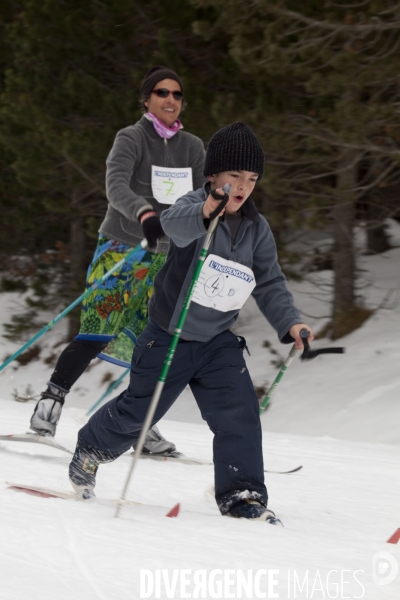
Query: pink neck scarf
(162, 130)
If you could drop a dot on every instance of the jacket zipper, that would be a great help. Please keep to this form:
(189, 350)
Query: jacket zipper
(236, 242)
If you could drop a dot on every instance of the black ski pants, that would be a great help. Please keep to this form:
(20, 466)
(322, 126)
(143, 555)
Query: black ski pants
(74, 360)
(218, 377)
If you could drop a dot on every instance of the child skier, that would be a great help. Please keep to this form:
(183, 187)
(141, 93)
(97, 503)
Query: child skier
(242, 260)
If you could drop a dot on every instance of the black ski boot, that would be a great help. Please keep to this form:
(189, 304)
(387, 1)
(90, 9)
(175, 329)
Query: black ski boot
(48, 410)
(252, 509)
(82, 472)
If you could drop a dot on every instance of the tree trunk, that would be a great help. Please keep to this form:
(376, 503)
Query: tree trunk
(343, 252)
(377, 239)
(77, 271)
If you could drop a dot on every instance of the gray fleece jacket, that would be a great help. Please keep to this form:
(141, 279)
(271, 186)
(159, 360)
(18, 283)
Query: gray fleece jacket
(128, 180)
(254, 246)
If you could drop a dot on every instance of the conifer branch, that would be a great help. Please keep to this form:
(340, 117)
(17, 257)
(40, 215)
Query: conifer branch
(375, 25)
(84, 174)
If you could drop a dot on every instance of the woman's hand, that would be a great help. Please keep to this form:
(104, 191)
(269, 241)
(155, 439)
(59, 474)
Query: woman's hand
(151, 226)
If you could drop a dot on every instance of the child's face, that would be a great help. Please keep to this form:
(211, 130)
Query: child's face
(242, 183)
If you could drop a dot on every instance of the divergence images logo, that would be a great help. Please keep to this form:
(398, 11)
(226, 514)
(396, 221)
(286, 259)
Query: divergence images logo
(384, 568)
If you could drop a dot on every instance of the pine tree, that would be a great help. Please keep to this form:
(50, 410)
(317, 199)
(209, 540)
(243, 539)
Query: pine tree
(327, 76)
(70, 82)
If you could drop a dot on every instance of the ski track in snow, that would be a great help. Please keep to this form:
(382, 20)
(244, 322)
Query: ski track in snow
(78, 559)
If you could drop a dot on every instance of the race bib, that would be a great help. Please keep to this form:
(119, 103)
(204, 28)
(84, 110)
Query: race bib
(169, 184)
(223, 284)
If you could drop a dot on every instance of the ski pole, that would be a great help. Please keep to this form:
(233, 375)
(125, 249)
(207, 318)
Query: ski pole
(293, 351)
(214, 219)
(307, 355)
(93, 287)
(108, 392)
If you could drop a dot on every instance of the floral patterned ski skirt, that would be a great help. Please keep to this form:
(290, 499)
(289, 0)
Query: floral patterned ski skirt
(117, 310)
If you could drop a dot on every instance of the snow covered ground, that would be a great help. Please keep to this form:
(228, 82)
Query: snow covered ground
(338, 416)
(338, 512)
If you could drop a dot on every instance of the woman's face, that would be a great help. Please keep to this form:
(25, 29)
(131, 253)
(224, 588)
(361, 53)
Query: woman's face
(166, 109)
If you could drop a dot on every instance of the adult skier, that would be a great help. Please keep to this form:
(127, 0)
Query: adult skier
(150, 165)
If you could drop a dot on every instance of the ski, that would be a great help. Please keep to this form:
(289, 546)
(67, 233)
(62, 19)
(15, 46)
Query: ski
(284, 472)
(49, 441)
(192, 461)
(171, 458)
(35, 439)
(44, 492)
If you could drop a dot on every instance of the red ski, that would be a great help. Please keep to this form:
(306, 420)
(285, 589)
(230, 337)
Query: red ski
(44, 492)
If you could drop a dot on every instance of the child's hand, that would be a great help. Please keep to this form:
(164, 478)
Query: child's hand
(295, 333)
(210, 204)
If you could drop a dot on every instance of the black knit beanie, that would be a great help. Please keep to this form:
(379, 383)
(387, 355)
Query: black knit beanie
(152, 77)
(234, 148)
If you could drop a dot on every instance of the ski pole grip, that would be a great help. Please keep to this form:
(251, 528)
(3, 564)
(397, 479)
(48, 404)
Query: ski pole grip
(304, 333)
(224, 198)
(309, 354)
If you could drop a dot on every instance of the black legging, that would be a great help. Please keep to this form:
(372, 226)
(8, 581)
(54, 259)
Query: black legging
(74, 360)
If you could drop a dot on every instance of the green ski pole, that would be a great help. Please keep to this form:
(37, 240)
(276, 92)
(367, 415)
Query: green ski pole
(293, 351)
(265, 401)
(93, 287)
(307, 355)
(171, 351)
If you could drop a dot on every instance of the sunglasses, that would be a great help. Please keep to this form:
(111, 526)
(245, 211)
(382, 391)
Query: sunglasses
(164, 93)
